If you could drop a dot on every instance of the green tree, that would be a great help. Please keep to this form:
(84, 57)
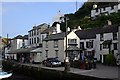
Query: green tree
(110, 59)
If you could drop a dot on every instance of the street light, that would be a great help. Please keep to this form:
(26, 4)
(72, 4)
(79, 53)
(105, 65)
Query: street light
(67, 63)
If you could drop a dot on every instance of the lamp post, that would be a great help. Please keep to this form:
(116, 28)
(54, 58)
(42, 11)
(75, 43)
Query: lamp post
(67, 63)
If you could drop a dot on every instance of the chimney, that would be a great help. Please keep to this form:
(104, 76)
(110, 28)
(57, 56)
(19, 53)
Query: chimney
(68, 29)
(58, 28)
(79, 28)
(54, 32)
(109, 22)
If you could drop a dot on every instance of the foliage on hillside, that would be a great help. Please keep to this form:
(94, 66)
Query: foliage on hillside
(82, 17)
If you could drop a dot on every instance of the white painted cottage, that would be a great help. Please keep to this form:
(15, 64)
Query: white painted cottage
(55, 45)
(107, 41)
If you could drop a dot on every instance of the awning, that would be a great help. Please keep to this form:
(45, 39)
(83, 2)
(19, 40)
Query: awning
(73, 48)
(36, 50)
(107, 42)
(22, 50)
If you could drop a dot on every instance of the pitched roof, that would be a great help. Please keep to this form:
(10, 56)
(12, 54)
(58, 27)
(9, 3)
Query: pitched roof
(25, 36)
(21, 37)
(21, 50)
(44, 25)
(109, 29)
(91, 33)
(50, 29)
(73, 48)
(58, 36)
(87, 34)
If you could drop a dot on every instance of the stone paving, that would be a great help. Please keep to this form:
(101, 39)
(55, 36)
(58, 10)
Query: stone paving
(101, 71)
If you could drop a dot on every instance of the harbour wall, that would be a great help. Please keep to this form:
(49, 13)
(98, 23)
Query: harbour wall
(45, 74)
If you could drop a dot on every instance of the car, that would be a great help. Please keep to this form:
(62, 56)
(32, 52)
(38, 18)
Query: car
(51, 62)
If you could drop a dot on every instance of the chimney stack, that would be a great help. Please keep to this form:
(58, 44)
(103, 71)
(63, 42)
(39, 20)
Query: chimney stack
(109, 22)
(68, 29)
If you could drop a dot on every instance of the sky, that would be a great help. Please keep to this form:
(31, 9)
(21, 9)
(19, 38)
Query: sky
(17, 18)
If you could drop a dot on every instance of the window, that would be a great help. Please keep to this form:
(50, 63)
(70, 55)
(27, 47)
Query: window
(101, 37)
(56, 53)
(34, 40)
(112, 7)
(100, 46)
(89, 44)
(46, 44)
(105, 46)
(46, 53)
(81, 45)
(34, 32)
(115, 46)
(55, 43)
(114, 36)
(43, 37)
(30, 41)
(37, 39)
(30, 34)
(72, 41)
(37, 32)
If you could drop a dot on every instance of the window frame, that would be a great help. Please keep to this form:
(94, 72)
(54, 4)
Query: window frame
(74, 41)
(115, 36)
(46, 44)
(115, 46)
(55, 43)
(89, 44)
(101, 37)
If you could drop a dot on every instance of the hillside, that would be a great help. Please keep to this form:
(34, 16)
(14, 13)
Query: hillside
(82, 16)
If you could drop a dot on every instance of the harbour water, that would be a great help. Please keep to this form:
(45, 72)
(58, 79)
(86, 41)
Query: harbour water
(19, 77)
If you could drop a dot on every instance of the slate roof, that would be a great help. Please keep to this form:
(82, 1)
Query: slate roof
(73, 48)
(107, 42)
(21, 50)
(91, 33)
(58, 36)
(88, 33)
(21, 37)
(18, 37)
(39, 26)
(109, 29)
(50, 29)
(36, 50)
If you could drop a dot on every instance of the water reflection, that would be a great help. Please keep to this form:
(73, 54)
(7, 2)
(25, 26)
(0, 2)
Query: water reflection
(19, 77)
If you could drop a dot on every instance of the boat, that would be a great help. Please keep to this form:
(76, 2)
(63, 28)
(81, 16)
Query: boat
(5, 75)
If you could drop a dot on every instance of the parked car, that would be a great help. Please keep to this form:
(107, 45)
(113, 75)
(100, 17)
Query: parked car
(52, 62)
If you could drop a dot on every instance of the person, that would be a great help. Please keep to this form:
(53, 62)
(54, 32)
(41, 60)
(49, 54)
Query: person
(94, 62)
(23, 59)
